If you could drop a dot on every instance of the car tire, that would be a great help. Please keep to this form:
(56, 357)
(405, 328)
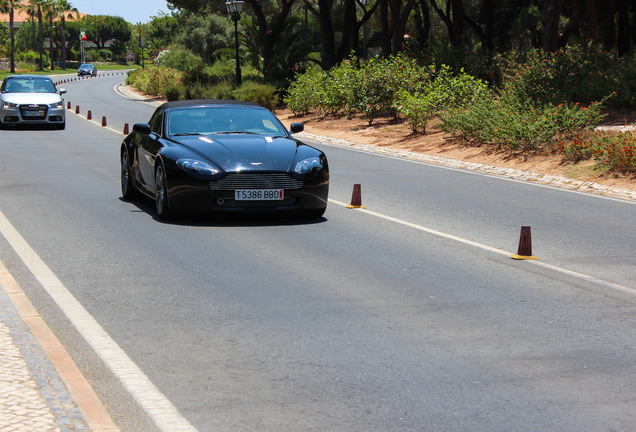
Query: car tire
(128, 191)
(161, 193)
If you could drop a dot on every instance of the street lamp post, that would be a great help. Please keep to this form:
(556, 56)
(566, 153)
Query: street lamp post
(234, 8)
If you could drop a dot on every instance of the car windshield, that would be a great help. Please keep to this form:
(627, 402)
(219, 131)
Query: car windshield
(87, 66)
(223, 120)
(29, 85)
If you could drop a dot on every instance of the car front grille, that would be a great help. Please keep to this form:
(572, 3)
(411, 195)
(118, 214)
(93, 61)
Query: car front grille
(33, 112)
(234, 181)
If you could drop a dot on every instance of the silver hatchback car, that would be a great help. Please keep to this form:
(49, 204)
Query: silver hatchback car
(31, 100)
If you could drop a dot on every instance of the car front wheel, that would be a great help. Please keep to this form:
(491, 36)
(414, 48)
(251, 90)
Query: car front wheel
(161, 194)
(128, 190)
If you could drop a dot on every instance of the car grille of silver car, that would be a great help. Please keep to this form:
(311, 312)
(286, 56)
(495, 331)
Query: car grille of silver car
(235, 181)
(33, 112)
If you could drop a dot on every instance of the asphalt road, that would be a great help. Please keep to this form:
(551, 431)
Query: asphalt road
(407, 317)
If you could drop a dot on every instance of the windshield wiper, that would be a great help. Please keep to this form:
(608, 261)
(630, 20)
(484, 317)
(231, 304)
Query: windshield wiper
(187, 134)
(234, 132)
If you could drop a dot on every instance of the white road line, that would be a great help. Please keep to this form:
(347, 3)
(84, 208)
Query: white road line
(157, 406)
(571, 273)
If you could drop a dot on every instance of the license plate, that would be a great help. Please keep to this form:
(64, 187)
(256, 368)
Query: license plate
(259, 194)
(32, 113)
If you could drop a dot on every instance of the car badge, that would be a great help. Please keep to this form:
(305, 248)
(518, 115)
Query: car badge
(34, 106)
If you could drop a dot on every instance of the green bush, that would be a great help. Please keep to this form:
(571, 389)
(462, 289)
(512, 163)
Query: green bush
(578, 73)
(29, 56)
(154, 80)
(179, 59)
(306, 93)
(417, 108)
(264, 95)
(173, 92)
(613, 152)
(200, 90)
(384, 79)
(508, 121)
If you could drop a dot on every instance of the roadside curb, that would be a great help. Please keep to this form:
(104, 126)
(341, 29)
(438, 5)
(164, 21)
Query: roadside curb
(91, 408)
(544, 179)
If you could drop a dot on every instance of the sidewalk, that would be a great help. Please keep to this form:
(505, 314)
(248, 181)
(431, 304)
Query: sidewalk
(33, 398)
(41, 387)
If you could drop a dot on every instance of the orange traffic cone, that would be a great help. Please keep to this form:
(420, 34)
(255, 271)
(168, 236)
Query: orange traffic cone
(356, 198)
(525, 246)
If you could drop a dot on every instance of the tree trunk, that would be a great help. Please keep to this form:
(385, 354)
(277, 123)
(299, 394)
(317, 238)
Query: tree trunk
(585, 15)
(269, 33)
(350, 29)
(51, 42)
(327, 34)
(457, 23)
(384, 20)
(11, 30)
(551, 17)
(63, 48)
(624, 33)
(607, 20)
(41, 37)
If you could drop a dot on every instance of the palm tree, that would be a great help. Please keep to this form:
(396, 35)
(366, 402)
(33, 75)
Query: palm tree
(10, 6)
(50, 8)
(66, 10)
(31, 11)
(35, 6)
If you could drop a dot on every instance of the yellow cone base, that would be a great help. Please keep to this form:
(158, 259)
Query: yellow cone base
(356, 206)
(524, 257)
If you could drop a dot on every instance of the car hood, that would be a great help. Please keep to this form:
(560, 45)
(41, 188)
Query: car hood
(31, 98)
(243, 152)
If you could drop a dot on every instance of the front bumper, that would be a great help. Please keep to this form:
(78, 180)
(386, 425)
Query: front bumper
(33, 115)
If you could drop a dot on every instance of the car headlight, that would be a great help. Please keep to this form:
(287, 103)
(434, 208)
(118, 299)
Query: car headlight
(307, 165)
(56, 105)
(197, 167)
(9, 105)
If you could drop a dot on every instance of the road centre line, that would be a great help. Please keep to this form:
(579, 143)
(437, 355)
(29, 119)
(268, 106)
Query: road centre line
(588, 278)
(162, 412)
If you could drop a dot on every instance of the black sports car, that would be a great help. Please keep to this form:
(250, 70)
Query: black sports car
(222, 155)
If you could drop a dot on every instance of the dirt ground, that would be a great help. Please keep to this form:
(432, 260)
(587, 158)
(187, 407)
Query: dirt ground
(385, 133)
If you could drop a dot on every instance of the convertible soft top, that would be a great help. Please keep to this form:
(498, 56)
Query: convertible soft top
(198, 102)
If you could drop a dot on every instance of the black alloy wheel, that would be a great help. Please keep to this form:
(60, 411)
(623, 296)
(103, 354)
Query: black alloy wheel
(161, 194)
(128, 190)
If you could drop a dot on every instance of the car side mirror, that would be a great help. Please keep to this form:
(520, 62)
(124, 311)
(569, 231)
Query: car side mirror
(62, 91)
(142, 128)
(297, 127)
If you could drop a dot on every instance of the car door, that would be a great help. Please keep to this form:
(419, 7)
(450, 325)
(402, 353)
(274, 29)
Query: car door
(148, 145)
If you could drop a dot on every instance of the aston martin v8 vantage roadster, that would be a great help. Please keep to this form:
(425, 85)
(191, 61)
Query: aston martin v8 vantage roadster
(217, 155)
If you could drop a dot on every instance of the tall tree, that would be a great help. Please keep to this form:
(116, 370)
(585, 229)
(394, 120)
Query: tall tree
(331, 52)
(103, 28)
(10, 6)
(269, 29)
(51, 10)
(400, 13)
(551, 20)
(453, 18)
(38, 5)
(65, 10)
